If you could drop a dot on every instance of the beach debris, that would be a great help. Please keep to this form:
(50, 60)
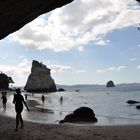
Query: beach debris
(40, 79)
(132, 102)
(17, 13)
(82, 114)
(110, 84)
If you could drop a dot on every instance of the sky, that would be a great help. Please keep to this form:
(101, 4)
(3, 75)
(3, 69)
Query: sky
(84, 42)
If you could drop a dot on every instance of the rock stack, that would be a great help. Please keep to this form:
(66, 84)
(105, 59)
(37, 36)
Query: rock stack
(40, 79)
(110, 84)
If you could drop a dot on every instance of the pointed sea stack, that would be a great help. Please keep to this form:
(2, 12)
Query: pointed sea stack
(110, 84)
(40, 79)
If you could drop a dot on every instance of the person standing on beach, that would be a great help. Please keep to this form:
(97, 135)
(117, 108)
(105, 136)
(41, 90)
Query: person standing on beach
(25, 97)
(19, 101)
(4, 100)
(43, 99)
(61, 100)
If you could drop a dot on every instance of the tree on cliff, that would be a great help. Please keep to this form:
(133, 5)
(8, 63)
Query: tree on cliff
(4, 81)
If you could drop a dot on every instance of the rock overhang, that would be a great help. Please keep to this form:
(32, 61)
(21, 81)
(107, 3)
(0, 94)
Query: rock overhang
(14, 14)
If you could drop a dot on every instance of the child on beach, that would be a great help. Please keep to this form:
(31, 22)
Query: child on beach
(19, 101)
(4, 100)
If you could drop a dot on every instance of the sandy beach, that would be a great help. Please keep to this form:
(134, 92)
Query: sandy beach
(67, 131)
(36, 131)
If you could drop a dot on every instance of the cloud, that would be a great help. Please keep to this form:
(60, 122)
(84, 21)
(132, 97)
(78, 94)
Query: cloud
(113, 68)
(19, 73)
(81, 48)
(102, 42)
(138, 67)
(134, 59)
(80, 71)
(78, 24)
(60, 68)
(64, 69)
(100, 71)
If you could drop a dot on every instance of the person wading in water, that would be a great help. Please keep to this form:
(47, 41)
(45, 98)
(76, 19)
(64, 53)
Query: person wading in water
(19, 101)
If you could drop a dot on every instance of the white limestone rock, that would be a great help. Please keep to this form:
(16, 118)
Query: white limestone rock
(40, 79)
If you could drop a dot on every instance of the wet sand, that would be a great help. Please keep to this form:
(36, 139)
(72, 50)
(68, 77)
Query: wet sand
(36, 131)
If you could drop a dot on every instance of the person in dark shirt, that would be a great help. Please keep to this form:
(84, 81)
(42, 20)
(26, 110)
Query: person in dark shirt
(19, 101)
(61, 100)
(43, 99)
(4, 100)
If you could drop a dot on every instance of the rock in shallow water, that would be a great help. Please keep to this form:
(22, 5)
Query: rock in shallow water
(110, 84)
(82, 114)
(132, 102)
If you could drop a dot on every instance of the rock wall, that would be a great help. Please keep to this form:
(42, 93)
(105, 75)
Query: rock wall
(14, 14)
(40, 79)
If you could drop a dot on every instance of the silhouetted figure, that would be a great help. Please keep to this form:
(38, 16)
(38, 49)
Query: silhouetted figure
(61, 100)
(139, 26)
(18, 101)
(32, 94)
(43, 99)
(26, 97)
(4, 100)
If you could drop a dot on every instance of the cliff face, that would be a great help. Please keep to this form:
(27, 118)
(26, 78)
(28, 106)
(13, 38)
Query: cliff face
(4, 81)
(14, 14)
(40, 79)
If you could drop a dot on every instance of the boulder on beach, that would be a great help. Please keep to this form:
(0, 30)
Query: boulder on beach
(14, 14)
(61, 89)
(132, 102)
(40, 79)
(110, 84)
(82, 114)
(138, 106)
(4, 81)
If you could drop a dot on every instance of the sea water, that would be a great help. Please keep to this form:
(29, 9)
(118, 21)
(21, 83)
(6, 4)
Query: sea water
(109, 105)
